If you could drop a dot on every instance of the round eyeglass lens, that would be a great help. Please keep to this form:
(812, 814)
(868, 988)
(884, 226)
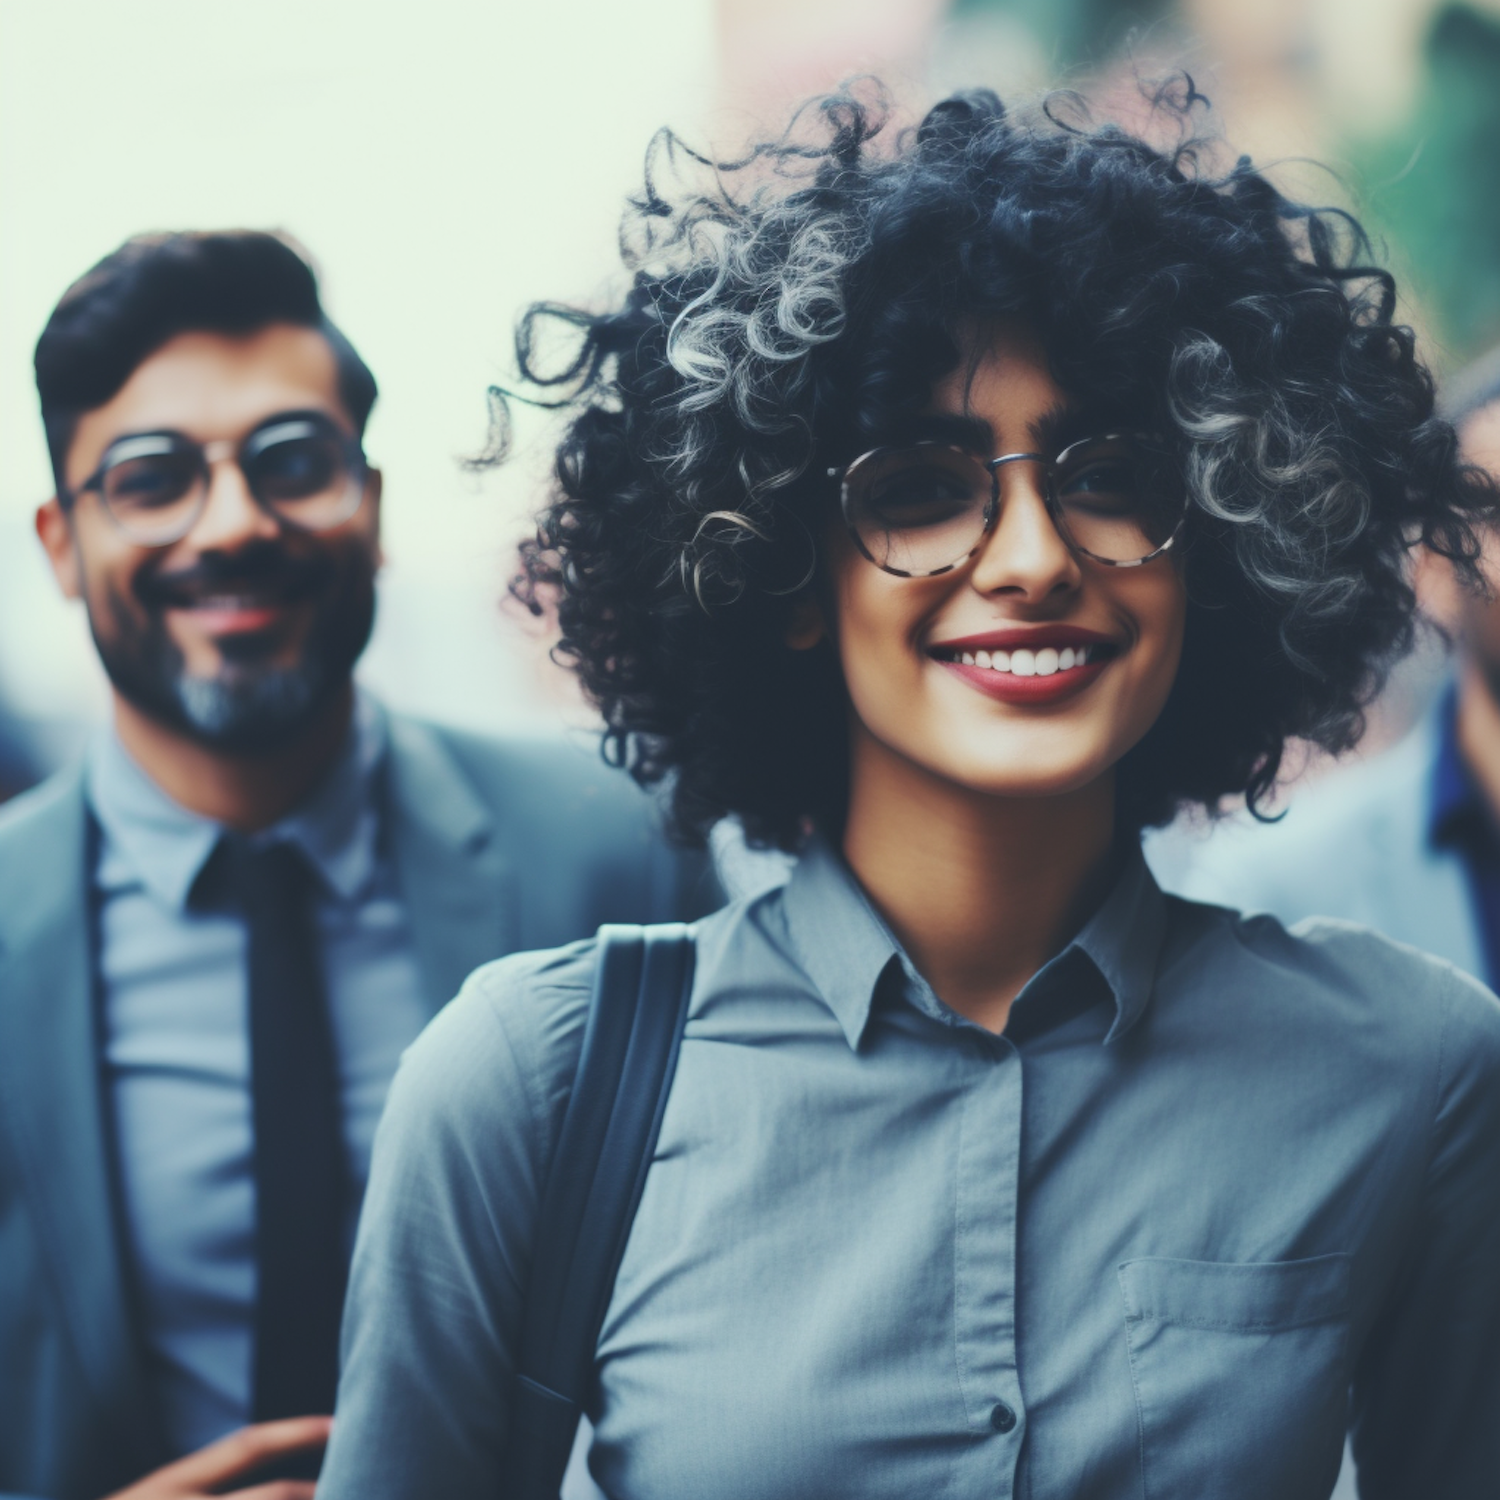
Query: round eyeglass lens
(920, 510)
(305, 473)
(153, 487)
(1117, 497)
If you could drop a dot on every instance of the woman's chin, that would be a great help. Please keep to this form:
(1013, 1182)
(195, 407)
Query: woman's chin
(1019, 777)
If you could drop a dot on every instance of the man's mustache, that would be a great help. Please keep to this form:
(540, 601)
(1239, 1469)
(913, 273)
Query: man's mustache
(265, 569)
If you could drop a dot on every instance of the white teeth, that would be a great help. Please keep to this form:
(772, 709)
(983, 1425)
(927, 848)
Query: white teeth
(227, 601)
(1046, 661)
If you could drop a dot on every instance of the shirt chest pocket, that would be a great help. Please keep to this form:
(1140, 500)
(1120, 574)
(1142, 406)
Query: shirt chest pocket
(1239, 1372)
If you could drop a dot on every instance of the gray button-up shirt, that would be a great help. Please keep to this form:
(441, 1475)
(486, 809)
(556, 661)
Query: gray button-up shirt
(176, 1051)
(1213, 1178)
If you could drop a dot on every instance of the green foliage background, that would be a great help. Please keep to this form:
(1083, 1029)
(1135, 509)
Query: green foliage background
(1432, 189)
(1428, 191)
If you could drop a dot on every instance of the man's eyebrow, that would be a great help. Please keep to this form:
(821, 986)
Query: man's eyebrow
(145, 432)
(169, 434)
(315, 414)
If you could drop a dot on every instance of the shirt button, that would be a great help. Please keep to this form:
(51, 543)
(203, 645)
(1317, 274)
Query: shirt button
(1002, 1418)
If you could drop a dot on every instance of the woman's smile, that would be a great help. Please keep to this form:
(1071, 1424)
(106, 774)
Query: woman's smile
(1029, 666)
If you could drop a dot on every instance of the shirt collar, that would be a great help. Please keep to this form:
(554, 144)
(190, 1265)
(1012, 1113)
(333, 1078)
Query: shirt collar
(1123, 940)
(840, 939)
(165, 846)
(846, 948)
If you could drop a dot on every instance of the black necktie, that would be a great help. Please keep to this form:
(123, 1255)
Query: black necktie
(301, 1177)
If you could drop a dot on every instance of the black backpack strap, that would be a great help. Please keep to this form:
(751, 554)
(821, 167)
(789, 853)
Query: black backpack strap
(630, 1043)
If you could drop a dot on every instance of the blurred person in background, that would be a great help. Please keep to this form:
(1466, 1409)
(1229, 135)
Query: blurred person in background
(17, 769)
(218, 934)
(950, 510)
(1409, 841)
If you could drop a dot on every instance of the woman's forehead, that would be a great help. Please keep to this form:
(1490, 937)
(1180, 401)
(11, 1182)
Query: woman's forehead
(1006, 396)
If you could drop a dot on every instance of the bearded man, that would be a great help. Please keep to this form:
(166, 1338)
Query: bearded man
(218, 933)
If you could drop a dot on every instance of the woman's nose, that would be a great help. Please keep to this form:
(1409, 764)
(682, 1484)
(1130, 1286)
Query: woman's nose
(1025, 554)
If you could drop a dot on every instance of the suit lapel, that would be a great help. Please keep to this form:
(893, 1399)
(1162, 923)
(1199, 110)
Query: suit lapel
(458, 884)
(51, 1105)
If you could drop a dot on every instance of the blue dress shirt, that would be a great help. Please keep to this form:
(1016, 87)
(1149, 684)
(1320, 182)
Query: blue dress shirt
(176, 1053)
(1217, 1190)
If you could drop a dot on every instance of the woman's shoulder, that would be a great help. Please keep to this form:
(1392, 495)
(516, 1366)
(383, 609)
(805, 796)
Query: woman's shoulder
(535, 1002)
(1324, 971)
(503, 1053)
(498, 1060)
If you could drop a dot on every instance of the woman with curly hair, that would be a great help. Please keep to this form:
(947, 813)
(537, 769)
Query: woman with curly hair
(948, 511)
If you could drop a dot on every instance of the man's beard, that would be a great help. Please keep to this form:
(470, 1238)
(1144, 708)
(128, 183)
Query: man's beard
(249, 706)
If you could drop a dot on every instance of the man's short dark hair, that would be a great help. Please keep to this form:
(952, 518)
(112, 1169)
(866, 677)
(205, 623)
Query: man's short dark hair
(156, 286)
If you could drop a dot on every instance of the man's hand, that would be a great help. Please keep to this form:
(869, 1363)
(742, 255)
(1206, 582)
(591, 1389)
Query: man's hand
(212, 1470)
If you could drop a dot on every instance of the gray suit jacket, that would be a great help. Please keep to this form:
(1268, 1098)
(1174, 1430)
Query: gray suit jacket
(1354, 845)
(498, 846)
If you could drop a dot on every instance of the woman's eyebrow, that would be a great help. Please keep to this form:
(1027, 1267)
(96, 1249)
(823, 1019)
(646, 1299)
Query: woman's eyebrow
(1062, 423)
(963, 430)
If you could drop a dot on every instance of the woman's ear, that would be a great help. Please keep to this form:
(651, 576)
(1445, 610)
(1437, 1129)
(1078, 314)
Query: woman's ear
(804, 624)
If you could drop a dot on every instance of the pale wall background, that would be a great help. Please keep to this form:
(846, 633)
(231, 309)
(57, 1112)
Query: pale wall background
(445, 162)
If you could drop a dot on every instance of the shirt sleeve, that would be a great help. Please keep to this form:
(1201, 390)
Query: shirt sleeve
(443, 1248)
(1427, 1386)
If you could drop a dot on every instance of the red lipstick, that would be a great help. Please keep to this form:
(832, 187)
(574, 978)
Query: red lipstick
(1009, 688)
(1040, 665)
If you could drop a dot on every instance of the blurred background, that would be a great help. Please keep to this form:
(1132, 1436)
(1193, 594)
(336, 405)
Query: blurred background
(446, 164)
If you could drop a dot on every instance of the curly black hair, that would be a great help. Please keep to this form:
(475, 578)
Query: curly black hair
(791, 309)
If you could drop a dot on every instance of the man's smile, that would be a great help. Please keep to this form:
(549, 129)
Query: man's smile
(252, 593)
(234, 614)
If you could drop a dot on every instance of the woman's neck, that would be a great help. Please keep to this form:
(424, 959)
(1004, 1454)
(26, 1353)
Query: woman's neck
(980, 890)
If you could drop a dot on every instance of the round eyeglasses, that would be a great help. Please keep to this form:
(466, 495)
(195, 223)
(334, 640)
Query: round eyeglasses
(924, 509)
(301, 469)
